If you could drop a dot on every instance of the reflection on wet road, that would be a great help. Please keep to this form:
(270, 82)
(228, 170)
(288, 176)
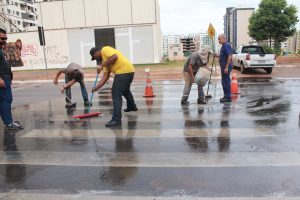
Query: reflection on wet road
(248, 148)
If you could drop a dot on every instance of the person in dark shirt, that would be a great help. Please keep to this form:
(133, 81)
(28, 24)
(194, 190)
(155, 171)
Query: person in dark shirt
(5, 88)
(225, 59)
(73, 74)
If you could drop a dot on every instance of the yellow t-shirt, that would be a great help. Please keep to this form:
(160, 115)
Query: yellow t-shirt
(122, 65)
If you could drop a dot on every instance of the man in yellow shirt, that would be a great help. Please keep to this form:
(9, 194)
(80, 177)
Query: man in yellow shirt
(114, 61)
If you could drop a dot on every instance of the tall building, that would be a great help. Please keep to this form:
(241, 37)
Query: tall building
(190, 43)
(169, 40)
(236, 22)
(293, 43)
(18, 15)
(227, 23)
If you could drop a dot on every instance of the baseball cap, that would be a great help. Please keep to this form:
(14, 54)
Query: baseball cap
(93, 51)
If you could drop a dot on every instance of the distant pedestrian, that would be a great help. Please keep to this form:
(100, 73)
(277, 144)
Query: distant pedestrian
(114, 61)
(73, 74)
(225, 60)
(191, 67)
(5, 88)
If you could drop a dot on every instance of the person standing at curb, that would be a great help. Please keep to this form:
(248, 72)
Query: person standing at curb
(225, 60)
(191, 67)
(114, 61)
(6, 97)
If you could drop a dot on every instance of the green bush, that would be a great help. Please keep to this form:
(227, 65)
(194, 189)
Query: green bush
(268, 49)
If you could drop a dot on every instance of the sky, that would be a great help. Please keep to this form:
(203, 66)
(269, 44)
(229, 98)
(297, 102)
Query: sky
(194, 16)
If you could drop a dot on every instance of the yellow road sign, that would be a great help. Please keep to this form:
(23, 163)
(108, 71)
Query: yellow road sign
(211, 31)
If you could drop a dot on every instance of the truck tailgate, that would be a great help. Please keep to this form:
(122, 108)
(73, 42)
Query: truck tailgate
(262, 60)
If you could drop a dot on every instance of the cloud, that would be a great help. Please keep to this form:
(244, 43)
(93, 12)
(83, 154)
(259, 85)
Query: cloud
(191, 16)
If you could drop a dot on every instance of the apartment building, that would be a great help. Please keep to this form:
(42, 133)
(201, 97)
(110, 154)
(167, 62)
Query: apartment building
(293, 43)
(18, 15)
(236, 22)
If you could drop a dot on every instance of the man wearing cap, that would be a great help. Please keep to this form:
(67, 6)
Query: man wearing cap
(114, 61)
(191, 67)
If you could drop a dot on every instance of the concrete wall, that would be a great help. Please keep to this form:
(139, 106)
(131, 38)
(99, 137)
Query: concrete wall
(97, 13)
(69, 31)
(56, 50)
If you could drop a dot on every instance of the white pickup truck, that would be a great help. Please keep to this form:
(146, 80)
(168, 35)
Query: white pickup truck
(253, 57)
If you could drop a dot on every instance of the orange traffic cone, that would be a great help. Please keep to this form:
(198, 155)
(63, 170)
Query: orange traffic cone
(234, 84)
(148, 89)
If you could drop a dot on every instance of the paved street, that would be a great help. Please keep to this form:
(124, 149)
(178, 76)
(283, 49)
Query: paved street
(246, 150)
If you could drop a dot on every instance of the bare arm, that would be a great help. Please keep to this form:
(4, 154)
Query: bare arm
(55, 81)
(103, 80)
(191, 71)
(69, 84)
(110, 61)
(229, 60)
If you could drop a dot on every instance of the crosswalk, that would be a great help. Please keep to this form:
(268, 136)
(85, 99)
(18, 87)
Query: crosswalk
(246, 150)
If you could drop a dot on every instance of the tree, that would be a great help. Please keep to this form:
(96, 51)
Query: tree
(274, 20)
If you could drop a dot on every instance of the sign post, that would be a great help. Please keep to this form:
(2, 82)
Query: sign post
(211, 32)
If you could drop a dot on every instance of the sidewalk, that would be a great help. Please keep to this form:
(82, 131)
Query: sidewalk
(157, 73)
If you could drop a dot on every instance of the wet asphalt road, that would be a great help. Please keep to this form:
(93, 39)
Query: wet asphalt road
(247, 149)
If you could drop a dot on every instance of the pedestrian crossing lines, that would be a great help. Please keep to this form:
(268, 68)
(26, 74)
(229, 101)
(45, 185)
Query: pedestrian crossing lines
(163, 151)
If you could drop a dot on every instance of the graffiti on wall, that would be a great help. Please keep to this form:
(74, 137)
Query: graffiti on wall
(53, 55)
(29, 49)
(12, 51)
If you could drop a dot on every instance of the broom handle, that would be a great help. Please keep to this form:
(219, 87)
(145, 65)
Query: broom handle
(212, 65)
(92, 95)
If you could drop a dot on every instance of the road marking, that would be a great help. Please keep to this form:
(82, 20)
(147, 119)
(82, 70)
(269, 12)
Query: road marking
(96, 195)
(158, 160)
(152, 133)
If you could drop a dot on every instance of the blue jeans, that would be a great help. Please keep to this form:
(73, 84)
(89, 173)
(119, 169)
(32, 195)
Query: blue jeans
(226, 83)
(82, 87)
(121, 87)
(5, 102)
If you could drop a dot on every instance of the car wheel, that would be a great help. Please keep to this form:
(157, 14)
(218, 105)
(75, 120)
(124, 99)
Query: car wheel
(243, 69)
(269, 70)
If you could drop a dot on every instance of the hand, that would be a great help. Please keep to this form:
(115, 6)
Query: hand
(62, 89)
(226, 70)
(94, 89)
(55, 82)
(2, 83)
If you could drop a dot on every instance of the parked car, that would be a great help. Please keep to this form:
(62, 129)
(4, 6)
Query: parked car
(253, 57)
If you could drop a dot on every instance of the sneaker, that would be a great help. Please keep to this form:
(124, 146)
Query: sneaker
(16, 122)
(185, 103)
(225, 100)
(112, 123)
(70, 105)
(130, 109)
(201, 101)
(13, 126)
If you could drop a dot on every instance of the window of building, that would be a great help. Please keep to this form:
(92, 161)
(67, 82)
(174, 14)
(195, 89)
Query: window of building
(16, 4)
(17, 13)
(7, 1)
(8, 11)
(19, 23)
(175, 53)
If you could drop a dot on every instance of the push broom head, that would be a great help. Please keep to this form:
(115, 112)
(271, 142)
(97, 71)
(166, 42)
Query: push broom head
(95, 114)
